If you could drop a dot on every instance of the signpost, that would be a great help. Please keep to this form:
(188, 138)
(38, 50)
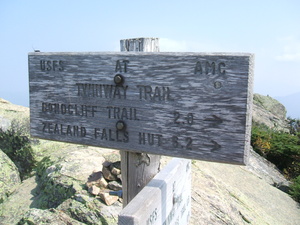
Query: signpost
(165, 200)
(137, 168)
(190, 105)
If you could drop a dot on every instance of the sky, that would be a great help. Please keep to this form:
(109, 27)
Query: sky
(268, 29)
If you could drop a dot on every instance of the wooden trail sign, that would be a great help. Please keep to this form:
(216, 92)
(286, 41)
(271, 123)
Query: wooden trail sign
(190, 105)
(165, 200)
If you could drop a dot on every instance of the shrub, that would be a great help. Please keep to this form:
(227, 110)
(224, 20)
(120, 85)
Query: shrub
(42, 165)
(15, 143)
(285, 153)
(295, 189)
(280, 148)
(260, 139)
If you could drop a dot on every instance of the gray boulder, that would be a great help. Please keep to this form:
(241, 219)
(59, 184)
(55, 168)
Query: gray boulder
(9, 177)
(66, 176)
(270, 112)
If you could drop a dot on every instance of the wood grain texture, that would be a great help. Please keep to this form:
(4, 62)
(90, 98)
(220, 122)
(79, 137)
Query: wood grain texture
(138, 168)
(190, 105)
(140, 45)
(165, 200)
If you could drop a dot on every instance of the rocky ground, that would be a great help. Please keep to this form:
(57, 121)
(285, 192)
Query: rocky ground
(59, 194)
(61, 190)
(229, 194)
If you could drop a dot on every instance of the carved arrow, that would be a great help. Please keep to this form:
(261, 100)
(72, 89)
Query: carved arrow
(214, 119)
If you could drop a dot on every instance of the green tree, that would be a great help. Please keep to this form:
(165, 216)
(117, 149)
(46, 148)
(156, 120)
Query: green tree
(15, 143)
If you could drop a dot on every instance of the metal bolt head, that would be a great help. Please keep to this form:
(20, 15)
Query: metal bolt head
(119, 79)
(120, 125)
(217, 85)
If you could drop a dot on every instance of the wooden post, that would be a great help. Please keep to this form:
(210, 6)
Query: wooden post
(166, 199)
(138, 168)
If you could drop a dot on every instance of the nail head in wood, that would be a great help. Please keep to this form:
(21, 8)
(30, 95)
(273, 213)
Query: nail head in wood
(120, 125)
(119, 79)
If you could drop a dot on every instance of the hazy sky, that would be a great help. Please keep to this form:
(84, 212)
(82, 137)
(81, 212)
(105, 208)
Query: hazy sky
(269, 29)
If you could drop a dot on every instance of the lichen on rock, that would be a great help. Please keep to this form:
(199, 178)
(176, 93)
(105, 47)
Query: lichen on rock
(270, 112)
(9, 177)
(65, 176)
(80, 212)
(49, 216)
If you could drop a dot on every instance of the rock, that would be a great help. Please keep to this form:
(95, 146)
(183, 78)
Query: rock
(91, 211)
(108, 175)
(97, 179)
(51, 169)
(267, 171)
(14, 109)
(4, 123)
(113, 156)
(115, 171)
(108, 199)
(9, 177)
(83, 198)
(24, 198)
(120, 177)
(117, 193)
(115, 168)
(231, 194)
(271, 105)
(106, 164)
(116, 165)
(114, 185)
(80, 212)
(94, 190)
(108, 214)
(269, 112)
(283, 186)
(81, 163)
(66, 176)
(49, 216)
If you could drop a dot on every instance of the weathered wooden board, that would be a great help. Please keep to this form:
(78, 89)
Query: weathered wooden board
(165, 200)
(190, 105)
